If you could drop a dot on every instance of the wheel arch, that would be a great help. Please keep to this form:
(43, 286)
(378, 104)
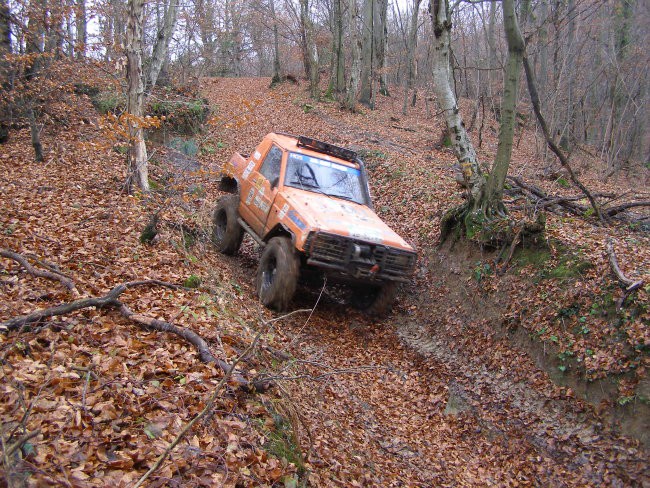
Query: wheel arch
(229, 184)
(280, 230)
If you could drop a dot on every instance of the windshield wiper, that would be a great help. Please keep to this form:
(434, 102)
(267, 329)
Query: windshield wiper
(308, 185)
(345, 197)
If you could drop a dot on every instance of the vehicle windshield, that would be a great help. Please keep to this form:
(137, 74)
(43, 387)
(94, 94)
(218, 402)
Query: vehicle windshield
(326, 177)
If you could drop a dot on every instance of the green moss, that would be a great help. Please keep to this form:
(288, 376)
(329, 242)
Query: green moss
(150, 231)
(525, 256)
(192, 281)
(109, 102)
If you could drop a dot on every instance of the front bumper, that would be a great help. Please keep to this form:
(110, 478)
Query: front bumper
(358, 259)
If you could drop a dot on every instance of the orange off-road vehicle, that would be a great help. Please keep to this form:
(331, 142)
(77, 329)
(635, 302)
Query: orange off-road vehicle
(307, 203)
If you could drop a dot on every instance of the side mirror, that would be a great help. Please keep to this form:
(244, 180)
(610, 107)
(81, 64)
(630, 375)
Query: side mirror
(274, 182)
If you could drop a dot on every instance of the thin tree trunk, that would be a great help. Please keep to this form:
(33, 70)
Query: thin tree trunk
(311, 50)
(161, 48)
(411, 67)
(337, 82)
(497, 177)
(276, 45)
(534, 98)
(137, 157)
(35, 133)
(381, 40)
(355, 70)
(367, 55)
(5, 49)
(460, 141)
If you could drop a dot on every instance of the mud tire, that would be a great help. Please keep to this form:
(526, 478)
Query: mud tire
(227, 233)
(376, 302)
(277, 274)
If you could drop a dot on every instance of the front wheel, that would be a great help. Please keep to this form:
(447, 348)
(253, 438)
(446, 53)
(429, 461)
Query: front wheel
(375, 301)
(277, 274)
(227, 233)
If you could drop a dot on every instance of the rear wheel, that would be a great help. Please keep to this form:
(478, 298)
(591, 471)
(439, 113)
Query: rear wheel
(277, 274)
(227, 233)
(375, 301)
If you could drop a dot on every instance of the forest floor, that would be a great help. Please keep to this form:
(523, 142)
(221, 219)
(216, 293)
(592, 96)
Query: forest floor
(525, 378)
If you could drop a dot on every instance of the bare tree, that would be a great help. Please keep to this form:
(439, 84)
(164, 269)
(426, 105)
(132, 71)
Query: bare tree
(411, 66)
(161, 48)
(310, 50)
(137, 156)
(355, 70)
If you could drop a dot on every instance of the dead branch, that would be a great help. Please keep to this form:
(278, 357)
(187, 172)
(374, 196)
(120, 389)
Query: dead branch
(50, 275)
(534, 98)
(515, 241)
(569, 203)
(624, 206)
(629, 284)
(13, 447)
(193, 338)
(111, 299)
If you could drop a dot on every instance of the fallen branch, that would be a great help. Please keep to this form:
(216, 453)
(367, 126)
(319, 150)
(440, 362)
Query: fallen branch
(515, 241)
(111, 299)
(196, 340)
(629, 284)
(534, 98)
(14, 446)
(624, 206)
(51, 275)
(545, 201)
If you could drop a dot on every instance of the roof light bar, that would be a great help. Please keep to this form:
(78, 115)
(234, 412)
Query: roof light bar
(325, 148)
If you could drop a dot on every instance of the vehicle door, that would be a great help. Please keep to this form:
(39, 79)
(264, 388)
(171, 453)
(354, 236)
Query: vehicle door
(260, 188)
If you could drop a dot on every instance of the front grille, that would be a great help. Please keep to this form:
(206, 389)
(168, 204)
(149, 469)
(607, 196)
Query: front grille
(339, 252)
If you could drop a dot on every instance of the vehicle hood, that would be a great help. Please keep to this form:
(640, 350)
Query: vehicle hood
(338, 216)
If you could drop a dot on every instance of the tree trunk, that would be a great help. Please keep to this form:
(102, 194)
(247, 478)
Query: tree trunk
(276, 45)
(5, 82)
(137, 157)
(411, 67)
(337, 81)
(311, 49)
(366, 95)
(493, 200)
(35, 133)
(34, 46)
(355, 70)
(381, 36)
(460, 141)
(161, 48)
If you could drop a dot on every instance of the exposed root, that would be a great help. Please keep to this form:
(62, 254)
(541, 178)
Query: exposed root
(497, 231)
(629, 285)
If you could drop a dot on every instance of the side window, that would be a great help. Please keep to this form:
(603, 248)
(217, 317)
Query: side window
(271, 166)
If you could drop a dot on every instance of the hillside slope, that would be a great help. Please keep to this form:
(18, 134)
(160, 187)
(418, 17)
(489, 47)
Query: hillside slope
(437, 394)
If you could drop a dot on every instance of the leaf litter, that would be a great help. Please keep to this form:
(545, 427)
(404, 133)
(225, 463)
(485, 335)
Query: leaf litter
(434, 395)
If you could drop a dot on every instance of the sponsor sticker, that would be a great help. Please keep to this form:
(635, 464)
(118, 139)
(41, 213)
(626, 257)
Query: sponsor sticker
(248, 169)
(371, 235)
(259, 182)
(256, 155)
(283, 211)
(249, 198)
(293, 216)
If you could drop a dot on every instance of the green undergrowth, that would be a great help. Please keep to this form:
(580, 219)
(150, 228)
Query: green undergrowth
(282, 441)
(179, 113)
(566, 264)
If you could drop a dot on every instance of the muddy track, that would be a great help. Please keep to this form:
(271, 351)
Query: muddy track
(427, 397)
